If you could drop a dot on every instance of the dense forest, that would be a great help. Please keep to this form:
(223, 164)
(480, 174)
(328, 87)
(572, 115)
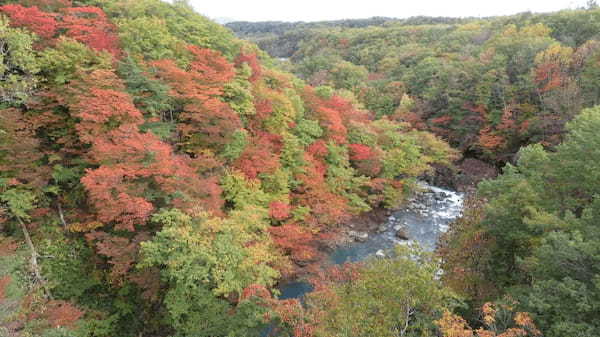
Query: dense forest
(513, 94)
(488, 86)
(160, 176)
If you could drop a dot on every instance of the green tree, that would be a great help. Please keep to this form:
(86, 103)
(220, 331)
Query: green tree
(18, 64)
(346, 75)
(539, 231)
(396, 296)
(206, 261)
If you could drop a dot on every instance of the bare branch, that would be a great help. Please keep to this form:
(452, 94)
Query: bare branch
(61, 215)
(34, 259)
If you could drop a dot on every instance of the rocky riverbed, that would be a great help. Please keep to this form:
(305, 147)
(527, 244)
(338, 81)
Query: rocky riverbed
(421, 221)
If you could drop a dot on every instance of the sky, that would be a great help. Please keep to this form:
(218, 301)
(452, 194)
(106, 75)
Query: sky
(315, 10)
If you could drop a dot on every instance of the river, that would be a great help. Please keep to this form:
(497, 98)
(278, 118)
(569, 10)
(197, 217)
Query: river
(423, 219)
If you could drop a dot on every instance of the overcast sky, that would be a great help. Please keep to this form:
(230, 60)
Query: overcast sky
(315, 10)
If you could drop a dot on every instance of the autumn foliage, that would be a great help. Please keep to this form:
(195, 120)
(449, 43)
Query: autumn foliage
(360, 152)
(62, 314)
(252, 61)
(90, 25)
(296, 240)
(455, 326)
(204, 120)
(113, 160)
(279, 210)
(4, 281)
(39, 22)
(259, 157)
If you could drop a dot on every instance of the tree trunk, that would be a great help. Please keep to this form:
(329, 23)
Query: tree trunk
(34, 262)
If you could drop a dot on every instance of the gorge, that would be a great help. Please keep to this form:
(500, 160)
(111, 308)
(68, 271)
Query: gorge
(425, 217)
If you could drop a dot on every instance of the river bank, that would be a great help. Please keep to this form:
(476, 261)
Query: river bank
(421, 220)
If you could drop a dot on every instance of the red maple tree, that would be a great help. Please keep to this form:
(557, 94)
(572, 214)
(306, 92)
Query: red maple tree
(42, 23)
(91, 26)
(205, 121)
(252, 61)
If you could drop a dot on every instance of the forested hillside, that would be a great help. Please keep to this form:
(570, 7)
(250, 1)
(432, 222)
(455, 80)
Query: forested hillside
(488, 86)
(519, 92)
(158, 176)
(282, 39)
(532, 237)
(161, 177)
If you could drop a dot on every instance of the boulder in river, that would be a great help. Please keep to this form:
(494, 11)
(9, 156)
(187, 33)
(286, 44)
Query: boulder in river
(380, 253)
(362, 236)
(401, 234)
(440, 196)
(358, 236)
